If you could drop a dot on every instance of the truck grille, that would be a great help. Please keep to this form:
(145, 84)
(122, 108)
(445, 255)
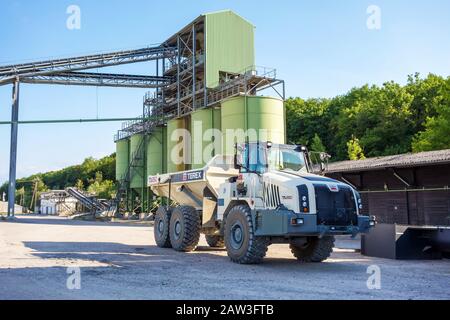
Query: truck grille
(271, 195)
(335, 208)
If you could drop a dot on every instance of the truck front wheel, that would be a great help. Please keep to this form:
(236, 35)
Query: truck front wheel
(242, 244)
(161, 227)
(315, 249)
(184, 228)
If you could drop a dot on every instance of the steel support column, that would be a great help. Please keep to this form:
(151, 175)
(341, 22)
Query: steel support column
(157, 74)
(13, 149)
(163, 94)
(178, 77)
(205, 93)
(193, 66)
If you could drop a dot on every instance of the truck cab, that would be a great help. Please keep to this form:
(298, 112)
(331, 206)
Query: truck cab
(287, 198)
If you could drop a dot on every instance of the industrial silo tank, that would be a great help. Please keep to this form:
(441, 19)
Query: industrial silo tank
(155, 152)
(205, 141)
(253, 118)
(137, 171)
(178, 144)
(122, 158)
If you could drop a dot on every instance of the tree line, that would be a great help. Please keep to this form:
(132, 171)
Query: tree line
(94, 176)
(372, 121)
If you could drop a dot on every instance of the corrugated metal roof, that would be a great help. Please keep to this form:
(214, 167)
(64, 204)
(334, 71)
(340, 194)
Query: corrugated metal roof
(400, 160)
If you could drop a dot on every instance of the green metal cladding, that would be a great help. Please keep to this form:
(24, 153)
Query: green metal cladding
(155, 152)
(137, 172)
(177, 144)
(229, 45)
(252, 112)
(122, 158)
(203, 123)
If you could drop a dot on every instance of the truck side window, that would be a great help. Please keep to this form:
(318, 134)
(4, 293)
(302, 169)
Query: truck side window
(256, 158)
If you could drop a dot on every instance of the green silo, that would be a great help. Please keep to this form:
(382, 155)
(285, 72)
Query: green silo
(155, 152)
(137, 171)
(206, 142)
(178, 144)
(164, 164)
(122, 158)
(255, 117)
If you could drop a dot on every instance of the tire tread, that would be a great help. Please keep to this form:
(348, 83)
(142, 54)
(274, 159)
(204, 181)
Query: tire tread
(321, 250)
(257, 247)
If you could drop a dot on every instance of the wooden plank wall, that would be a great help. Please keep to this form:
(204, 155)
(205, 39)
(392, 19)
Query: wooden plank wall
(404, 207)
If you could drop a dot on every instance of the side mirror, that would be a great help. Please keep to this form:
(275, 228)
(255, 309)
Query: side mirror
(322, 167)
(236, 164)
(324, 157)
(238, 156)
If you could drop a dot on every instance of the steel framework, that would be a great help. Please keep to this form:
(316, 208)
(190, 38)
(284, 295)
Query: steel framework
(66, 72)
(99, 79)
(9, 74)
(179, 83)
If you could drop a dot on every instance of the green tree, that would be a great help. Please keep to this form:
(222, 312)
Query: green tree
(103, 189)
(355, 152)
(20, 194)
(428, 95)
(317, 144)
(305, 118)
(98, 176)
(437, 128)
(79, 185)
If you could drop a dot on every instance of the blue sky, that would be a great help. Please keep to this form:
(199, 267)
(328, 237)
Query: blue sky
(321, 48)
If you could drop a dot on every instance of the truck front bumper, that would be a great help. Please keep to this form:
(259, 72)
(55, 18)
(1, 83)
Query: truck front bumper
(290, 224)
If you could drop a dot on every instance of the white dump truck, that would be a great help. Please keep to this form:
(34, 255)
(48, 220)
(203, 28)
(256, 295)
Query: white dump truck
(266, 193)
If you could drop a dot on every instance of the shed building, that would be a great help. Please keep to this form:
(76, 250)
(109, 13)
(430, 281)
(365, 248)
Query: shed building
(410, 189)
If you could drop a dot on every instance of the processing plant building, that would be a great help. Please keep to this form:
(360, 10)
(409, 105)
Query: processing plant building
(211, 85)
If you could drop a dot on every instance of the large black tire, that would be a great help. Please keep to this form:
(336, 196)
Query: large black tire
(215, 241)
(184, 228)
(314, 250)
(242, 244)
(161, 227)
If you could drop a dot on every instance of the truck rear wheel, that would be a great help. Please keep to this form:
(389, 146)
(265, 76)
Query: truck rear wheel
(242, 244)
(215, 241)
(184, 228)
(314, 250)
(161, 227)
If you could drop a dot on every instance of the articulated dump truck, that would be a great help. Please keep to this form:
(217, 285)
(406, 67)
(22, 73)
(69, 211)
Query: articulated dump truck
(266, 193)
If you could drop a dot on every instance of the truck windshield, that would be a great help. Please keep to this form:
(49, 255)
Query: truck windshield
(286, 159)
(258, 158)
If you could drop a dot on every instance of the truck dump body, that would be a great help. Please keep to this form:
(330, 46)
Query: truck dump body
(187, 187)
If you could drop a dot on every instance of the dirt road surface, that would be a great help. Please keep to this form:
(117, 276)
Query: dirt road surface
(121, 261)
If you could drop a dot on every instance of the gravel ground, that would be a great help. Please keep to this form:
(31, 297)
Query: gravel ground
(121, 261)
